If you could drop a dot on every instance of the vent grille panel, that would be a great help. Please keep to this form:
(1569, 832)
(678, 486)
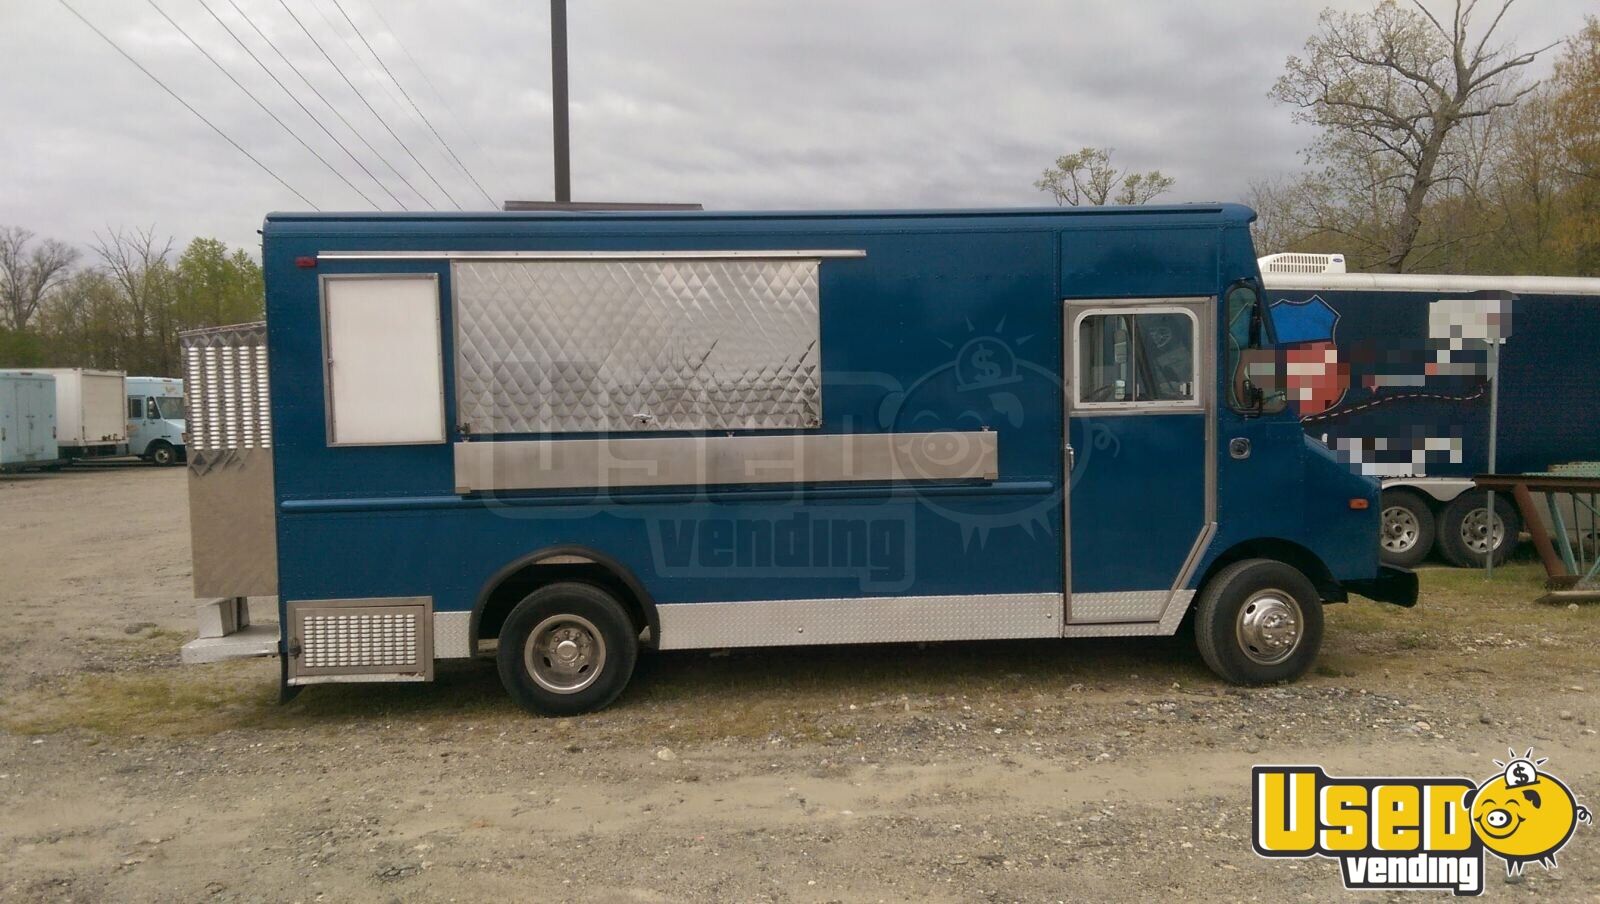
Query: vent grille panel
(385, 639)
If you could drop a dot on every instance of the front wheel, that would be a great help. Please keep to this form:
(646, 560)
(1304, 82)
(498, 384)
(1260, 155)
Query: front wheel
(1259, 622)
(163, 455)
(1408, 529)
(567, 648)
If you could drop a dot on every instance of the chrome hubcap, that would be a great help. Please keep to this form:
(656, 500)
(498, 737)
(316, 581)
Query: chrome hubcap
(1477, 534)
(1269, 627)
(1400, 529)
(565, 653)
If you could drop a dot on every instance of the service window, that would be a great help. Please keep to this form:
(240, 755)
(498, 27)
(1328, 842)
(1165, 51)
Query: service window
(385, 379)
(1136, 358)
(604, 346)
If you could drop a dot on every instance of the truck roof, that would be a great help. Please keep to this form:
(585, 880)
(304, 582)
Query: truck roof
(1155, 214)
(1427, 282)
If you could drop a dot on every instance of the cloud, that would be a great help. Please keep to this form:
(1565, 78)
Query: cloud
(771, 104)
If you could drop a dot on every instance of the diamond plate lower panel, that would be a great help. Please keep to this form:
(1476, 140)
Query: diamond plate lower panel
(1170, 619)
(1120, 606)
(452, 638)
(765, 623)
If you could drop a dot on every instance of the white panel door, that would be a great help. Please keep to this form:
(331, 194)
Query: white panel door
(385, 378)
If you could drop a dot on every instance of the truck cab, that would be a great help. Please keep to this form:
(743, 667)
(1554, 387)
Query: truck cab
(156, 419)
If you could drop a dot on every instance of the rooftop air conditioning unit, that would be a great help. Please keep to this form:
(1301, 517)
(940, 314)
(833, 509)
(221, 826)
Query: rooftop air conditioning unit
(1302, 263)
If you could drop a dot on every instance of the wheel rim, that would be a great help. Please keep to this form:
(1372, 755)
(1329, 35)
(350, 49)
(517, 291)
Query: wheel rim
(1269, 625)
(565, 653)
(1476, 533)
(1400, 529)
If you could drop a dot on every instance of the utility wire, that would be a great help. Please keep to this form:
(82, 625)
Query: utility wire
(353, 158)
(264, 108)
(434, 89)
(407, 95)
(381, 121)
(240, 148)
(331, 108)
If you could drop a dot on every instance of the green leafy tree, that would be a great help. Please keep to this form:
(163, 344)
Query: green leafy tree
(1089, 178)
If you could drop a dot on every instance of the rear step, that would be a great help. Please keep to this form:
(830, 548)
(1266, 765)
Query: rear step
(226, 633)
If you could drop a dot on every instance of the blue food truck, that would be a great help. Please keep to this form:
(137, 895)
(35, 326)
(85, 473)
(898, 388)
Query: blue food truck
(1395, 373)
(547, 438)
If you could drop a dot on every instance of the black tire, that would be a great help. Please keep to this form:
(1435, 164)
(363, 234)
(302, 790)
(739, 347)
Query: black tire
(1266, 588)
(1407, 530)
(162, 455)
(606, 646)
(1462, 521)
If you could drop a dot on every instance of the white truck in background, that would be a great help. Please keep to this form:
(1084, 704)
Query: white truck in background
(91, 412)
(156, 419)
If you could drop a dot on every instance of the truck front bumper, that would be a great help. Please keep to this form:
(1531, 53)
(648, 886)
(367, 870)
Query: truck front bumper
(1392, 585)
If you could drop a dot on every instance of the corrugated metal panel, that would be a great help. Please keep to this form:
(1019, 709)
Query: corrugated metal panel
(231, 513)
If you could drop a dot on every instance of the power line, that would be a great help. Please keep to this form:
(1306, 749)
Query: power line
(264, 108)
(407, 95)
(363, 98)
(240, 148)
(331, 108)
(432, 88)
(353, 158)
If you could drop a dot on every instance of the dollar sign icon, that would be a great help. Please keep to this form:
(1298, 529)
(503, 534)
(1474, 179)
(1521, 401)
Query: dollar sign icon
(983, 360)
(1521, 773)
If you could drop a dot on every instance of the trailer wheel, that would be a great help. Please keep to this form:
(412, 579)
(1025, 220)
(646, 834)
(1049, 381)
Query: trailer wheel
(1408, 529)
(1467, 534)
(1258, 622)
(162, 454)
(567, 648)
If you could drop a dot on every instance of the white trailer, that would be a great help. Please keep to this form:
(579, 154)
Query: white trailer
(27, 421)
(91, 411)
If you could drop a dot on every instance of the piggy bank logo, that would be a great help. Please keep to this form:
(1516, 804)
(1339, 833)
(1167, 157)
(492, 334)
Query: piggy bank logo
(957, 412)
(1524, 815)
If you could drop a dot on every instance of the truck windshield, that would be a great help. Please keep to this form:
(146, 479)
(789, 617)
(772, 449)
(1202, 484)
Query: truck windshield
(172, 407)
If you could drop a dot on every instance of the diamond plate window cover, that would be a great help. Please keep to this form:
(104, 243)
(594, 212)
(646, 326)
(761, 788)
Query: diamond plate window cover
(225, 378)
(637, 345)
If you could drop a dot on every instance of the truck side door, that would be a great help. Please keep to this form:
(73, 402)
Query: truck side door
(1140, 430)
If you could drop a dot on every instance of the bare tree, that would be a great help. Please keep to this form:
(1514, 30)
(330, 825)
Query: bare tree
(136, 262)
(1089, 178)
(28, 274)
(1389, 88)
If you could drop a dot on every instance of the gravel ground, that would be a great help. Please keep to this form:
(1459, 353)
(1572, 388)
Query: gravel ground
(1030, 771)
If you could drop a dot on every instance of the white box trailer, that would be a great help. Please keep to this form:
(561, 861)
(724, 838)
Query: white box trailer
(91, 411)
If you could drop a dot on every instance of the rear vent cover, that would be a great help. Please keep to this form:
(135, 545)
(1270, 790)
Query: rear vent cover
(384, 639)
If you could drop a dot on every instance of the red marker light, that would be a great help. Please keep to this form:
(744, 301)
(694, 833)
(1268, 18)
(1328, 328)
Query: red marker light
(306, 263)
(1360, 505)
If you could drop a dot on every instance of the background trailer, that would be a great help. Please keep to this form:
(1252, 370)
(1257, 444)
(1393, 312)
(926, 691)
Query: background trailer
(90, 412)
(1393, 373)
(28, 421)
(547, 436)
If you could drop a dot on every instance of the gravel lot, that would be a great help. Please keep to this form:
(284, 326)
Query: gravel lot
(1034, 771)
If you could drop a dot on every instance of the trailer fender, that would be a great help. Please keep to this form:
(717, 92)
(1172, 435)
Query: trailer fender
(527, 573)
(1440, 489)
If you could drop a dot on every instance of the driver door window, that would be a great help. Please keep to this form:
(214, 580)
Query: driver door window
(1136, 359)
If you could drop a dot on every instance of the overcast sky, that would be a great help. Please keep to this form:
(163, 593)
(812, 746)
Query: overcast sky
(898, 103)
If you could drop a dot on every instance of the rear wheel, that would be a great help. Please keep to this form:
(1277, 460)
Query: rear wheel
(567, 648)
(1408, 529)
(1467, 533)
(1259, 621)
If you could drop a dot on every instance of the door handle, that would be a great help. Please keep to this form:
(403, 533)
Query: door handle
(1072, 457)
